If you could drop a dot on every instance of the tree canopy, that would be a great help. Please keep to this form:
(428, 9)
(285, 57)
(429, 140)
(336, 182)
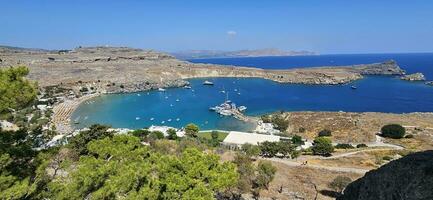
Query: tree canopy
(191, 130)
(15, 91)
(322, 146)
(395, 131)
(121, 166)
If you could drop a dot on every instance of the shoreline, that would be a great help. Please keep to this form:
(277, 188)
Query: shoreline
(62, 113)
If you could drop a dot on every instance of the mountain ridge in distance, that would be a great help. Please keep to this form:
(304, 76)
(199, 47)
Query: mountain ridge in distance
(196, 54)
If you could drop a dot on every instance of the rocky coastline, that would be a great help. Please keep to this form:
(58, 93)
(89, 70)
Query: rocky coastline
(122, 69)
(413, 77)
(87, 72)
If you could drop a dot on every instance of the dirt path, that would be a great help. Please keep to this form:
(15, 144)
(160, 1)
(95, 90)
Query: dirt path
(335, 169)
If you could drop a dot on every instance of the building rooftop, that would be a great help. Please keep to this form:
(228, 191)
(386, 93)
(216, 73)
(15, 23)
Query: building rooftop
(240, 138)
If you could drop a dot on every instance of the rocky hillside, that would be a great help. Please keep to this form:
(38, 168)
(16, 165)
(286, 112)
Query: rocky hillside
(409, 178)
(122, 69)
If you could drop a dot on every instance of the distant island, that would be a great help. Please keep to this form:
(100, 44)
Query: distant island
(195, 54)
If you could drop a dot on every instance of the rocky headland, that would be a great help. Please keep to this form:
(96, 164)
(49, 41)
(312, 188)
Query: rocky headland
(414, 77)
(122, 69)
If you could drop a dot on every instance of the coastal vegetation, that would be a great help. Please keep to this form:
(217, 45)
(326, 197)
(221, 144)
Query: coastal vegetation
(191, 130)
(103, 164)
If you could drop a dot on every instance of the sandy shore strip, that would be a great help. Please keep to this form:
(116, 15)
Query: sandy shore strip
(62, 113)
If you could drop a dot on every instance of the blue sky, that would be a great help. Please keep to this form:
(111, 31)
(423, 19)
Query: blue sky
(324, 26)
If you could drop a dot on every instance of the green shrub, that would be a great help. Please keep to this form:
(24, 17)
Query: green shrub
(322, 146)
(297, 140)
(325, 133)
(156, 135)
(395, 131)
(344, 146)
(191, 130)
(361, 146)
(280, 123)
(388, 158)
(339, 183)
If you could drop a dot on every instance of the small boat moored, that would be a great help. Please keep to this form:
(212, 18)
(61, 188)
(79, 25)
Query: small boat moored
(353, 87)
(208, 83)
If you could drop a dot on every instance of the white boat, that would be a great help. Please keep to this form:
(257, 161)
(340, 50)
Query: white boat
(151, 119)
(138, 94)
(161, 89)
(137, 118)
(162, 122)
(166, 97)
(177, 100)
(169, 120)
(225, 112)
(187, 87)
(223, 90)
(177, 119)
(207, 83)
(242, 108)
(171, 105)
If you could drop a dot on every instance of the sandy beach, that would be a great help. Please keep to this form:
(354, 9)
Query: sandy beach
(62, 113)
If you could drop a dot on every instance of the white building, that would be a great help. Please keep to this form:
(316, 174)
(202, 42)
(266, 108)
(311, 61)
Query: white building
(237, 139)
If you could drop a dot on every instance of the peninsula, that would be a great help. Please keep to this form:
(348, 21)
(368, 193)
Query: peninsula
(122, 69)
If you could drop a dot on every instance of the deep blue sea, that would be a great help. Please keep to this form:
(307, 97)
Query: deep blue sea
(177, 107)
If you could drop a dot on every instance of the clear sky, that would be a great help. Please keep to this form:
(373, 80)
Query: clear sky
(324, 26)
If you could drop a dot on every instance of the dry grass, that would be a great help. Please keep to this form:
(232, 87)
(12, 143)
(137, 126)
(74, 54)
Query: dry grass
(298, 181)
(350, 127)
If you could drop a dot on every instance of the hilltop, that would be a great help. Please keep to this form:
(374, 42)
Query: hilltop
(194, 54)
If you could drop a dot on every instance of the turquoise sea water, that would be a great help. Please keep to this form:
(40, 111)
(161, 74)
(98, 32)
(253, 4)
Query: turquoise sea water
(374, 93)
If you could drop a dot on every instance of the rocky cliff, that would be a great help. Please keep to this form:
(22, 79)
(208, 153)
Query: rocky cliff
(409, 178)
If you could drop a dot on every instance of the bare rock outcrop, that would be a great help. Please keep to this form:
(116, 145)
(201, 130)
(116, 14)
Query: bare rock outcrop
(389, 67)
(409, 178)
(414, 77)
